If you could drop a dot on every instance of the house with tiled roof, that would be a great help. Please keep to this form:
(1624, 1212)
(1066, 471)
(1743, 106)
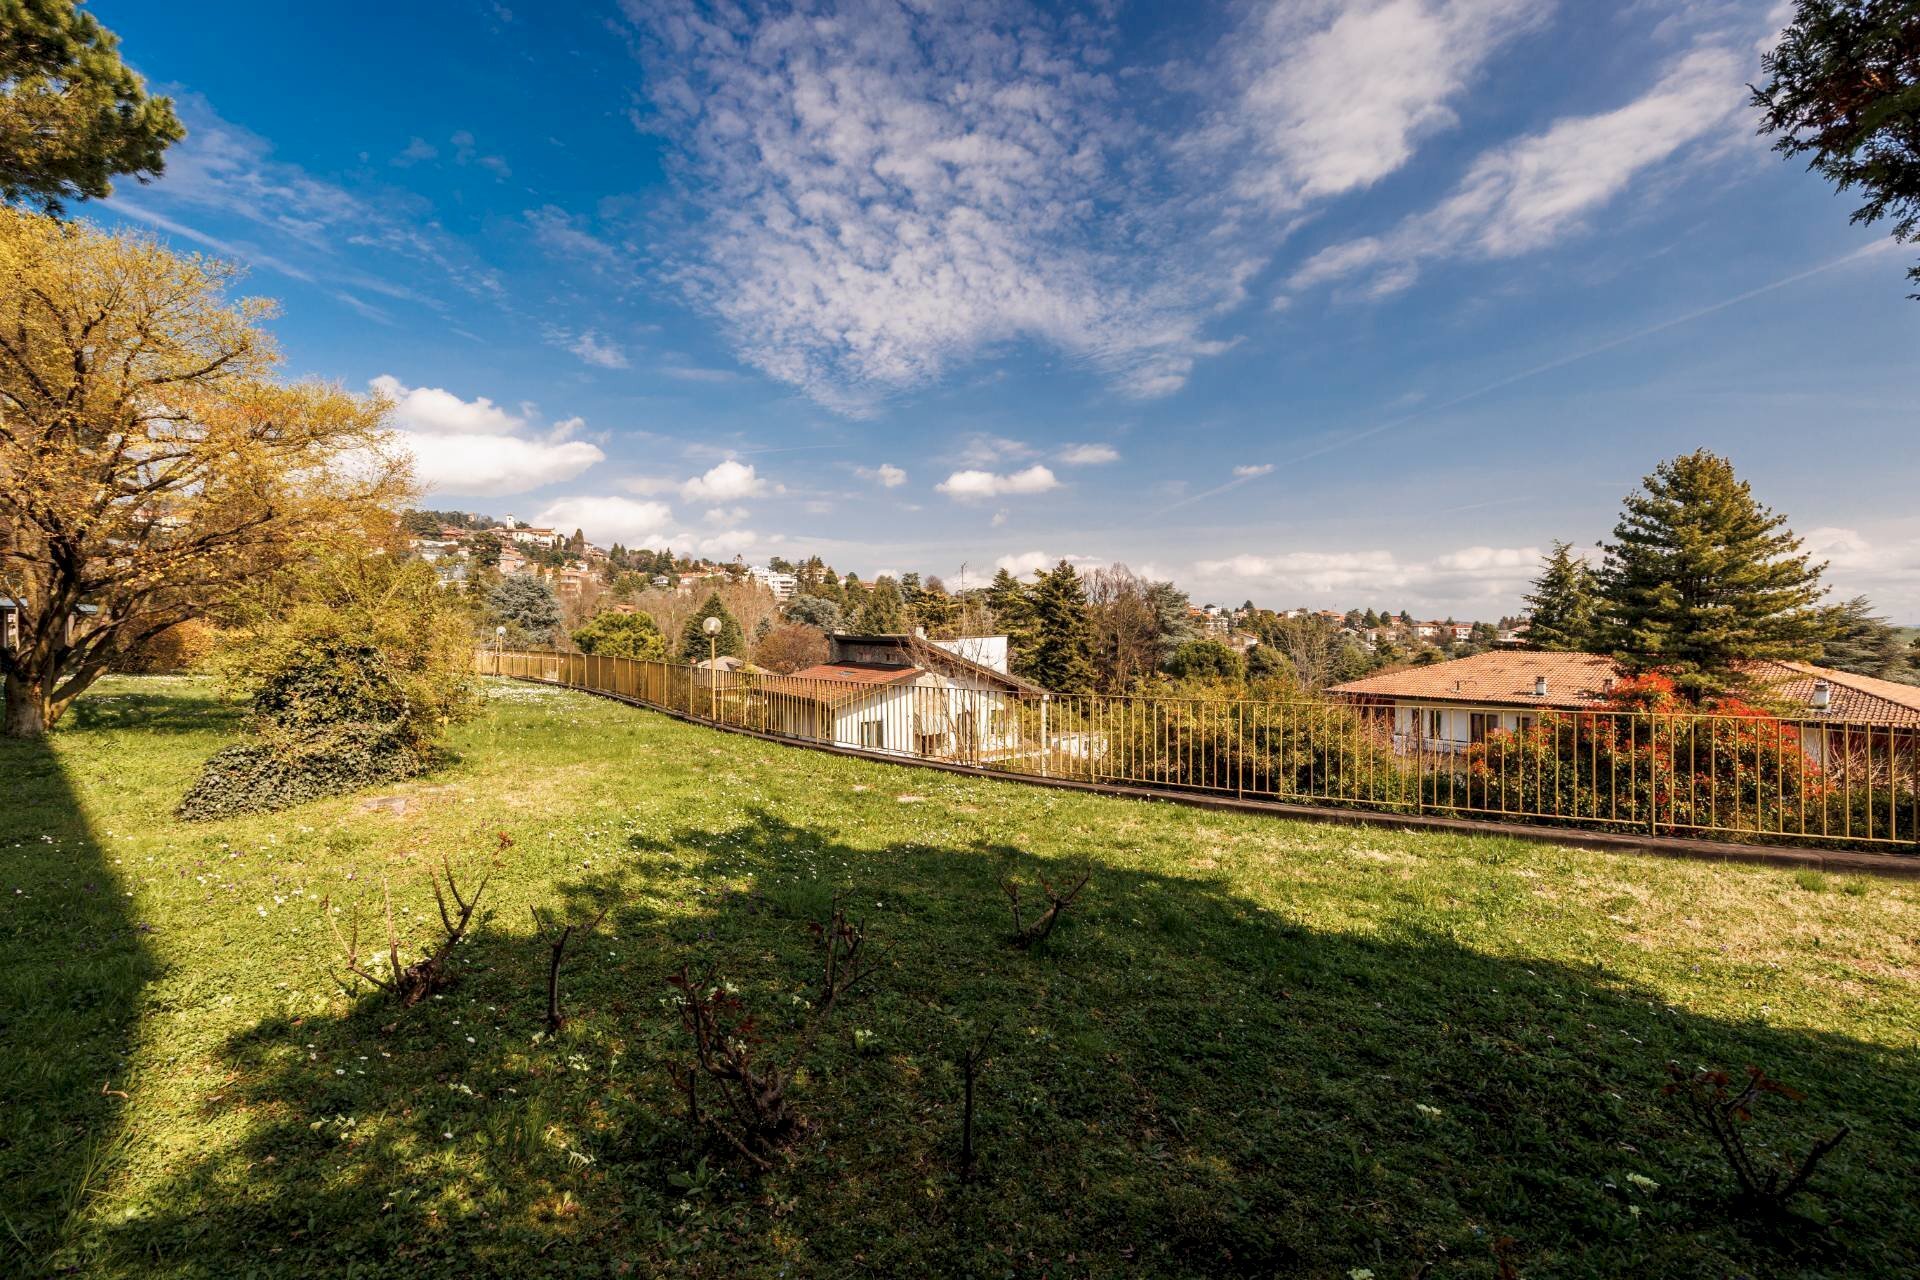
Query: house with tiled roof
(904, 694)
(1448, 706)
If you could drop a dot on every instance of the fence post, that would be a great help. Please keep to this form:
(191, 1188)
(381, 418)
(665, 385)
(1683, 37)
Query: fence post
(1045, 698)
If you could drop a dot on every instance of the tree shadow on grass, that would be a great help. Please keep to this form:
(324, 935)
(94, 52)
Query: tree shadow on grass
(1184, 1082)
(152, 707)
(73, 967)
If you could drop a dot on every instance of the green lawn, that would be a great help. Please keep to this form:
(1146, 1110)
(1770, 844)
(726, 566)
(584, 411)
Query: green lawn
(1255, 1048)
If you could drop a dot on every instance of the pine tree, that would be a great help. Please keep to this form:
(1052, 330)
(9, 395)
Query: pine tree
(1867, 645)
(1562, 603)
(1062, 654)
(882, 612)
(1012, 615)
(693, 637)
(528, 606)
(1701, 577)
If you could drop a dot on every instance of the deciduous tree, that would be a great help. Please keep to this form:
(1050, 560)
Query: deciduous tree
(150, 462)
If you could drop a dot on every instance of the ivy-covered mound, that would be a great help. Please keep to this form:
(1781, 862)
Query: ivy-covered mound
(346, 688)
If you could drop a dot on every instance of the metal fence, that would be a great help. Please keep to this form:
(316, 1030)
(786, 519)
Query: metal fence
(1746, 777)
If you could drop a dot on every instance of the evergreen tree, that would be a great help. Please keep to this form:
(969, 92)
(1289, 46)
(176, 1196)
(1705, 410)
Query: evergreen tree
(622, 635)
(1012, 615)
(882, 612)
(693, 637)
(1701, 577)
(1062, 654)
(1867, 645)
(814, 611)
(1562, 603)
(527, 606)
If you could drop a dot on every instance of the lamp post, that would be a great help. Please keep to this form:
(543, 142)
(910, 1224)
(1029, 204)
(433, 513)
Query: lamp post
(499, 647)
(712, 627)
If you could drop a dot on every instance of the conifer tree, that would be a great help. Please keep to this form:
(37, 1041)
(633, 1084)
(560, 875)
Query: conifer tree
(1012, 615)
(882, 612)
(1562, 602)
(1062, 652)
(1868, 645)
(1700, 577)
(693, 637)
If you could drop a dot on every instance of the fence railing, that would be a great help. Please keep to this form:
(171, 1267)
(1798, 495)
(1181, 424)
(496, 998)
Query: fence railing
(1731, 776)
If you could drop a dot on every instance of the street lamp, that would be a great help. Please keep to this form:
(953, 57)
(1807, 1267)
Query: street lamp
(712, 627)
(499, 646)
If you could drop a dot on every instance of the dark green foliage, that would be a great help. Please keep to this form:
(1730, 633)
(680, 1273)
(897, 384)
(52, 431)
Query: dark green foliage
(528, 608)
(73, 116)
(1061, 656)
(1700, 577)
(1843, 89)
(622, 635)
(1209, 660)
(1868, 645)
(731, 642)
(814, 611)
(882, 612)
(1562, 603)
(1012, 606)
(262, 776)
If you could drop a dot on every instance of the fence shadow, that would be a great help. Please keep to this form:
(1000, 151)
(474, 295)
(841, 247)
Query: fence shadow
(74, 963)
(1185, 1082)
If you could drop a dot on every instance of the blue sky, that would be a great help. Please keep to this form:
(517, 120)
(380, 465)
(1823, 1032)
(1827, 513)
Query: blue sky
(1312, 302)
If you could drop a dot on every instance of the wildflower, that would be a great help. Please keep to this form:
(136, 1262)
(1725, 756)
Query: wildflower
(1643, 1182)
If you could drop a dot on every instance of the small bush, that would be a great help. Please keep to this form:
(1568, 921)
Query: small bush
(261, 776)
(181, 647)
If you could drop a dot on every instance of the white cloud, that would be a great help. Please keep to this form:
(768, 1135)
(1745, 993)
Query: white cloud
(1529, 193)
(1252, 469)
(1028, 563)
(724, 482)
(888, 191)
(726, 517)
(1330, 98)
(607, 520)
(968, 486)
(596, 350)
(417, 150)
(1089, 455)
(886, 475)
(1373, 577)
(476, 447)
(1885, 567)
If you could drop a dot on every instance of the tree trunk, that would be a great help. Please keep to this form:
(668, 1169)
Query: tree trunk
(26, 707)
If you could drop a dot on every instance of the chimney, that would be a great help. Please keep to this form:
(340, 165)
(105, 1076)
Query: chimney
(1539, 686)
(1822, 695)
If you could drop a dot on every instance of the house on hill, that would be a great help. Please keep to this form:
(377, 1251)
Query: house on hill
(938, 699)
(1446, 707)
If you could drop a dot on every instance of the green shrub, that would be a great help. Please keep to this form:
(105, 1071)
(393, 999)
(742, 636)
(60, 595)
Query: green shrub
(265, 774)
(350, 673)
(622, 635)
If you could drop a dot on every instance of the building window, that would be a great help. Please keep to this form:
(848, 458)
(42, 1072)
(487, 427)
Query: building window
(873, 733)
(1436, 722)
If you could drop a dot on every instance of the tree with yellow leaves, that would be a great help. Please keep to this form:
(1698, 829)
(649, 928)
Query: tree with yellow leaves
(150, 461)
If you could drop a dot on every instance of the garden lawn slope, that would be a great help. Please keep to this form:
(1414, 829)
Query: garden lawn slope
(1253, 1048)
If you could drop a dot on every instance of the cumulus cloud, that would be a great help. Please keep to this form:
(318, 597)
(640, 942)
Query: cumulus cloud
(886, 190)
(477, 447)
(1025, 564)
(886, 475)
(724, 482)
(1885, 566)
(1089, 455)
(607, 520)
(1330, 98)
(1365, 576)
(1532, 192)
(970, 485)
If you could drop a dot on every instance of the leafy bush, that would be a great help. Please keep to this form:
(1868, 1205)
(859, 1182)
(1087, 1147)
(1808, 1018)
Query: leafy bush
(1205, 660)
(351, 671)
(622, 635)
(181, 647)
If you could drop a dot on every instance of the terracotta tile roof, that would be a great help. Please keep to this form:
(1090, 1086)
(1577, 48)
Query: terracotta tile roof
(1850, 697)
(838, 683)
(1503, 677)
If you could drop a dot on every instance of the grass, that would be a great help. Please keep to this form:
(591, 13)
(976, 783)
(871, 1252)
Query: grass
(1253, 1048)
